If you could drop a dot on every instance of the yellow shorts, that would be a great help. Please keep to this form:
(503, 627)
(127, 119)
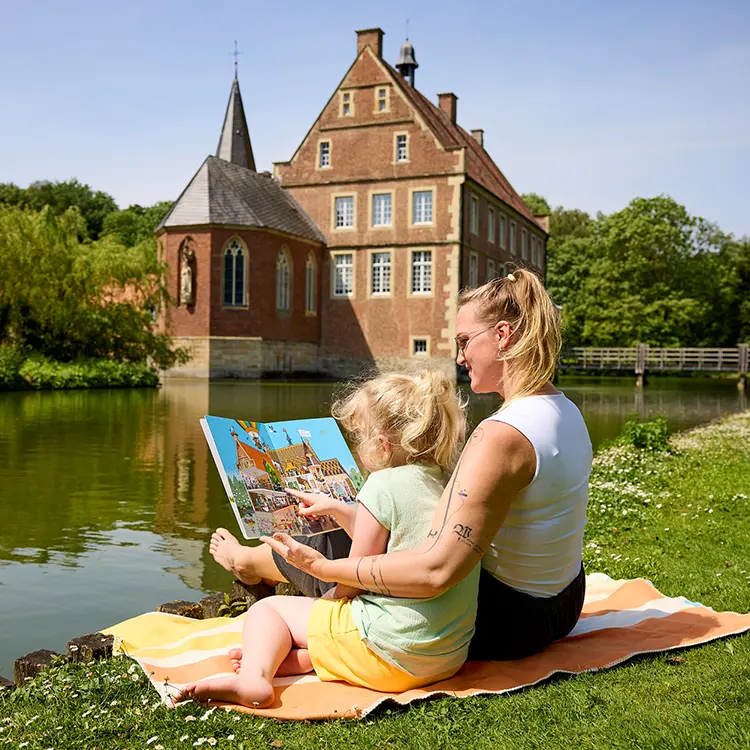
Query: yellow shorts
(338, 652)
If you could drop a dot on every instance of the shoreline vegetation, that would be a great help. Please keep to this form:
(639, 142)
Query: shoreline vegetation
(673, 510)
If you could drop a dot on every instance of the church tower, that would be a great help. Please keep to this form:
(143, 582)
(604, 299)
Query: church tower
(234, 143)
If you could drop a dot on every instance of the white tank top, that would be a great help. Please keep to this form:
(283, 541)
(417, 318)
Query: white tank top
(539, 548)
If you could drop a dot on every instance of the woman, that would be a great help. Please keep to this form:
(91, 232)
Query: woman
(517, 498)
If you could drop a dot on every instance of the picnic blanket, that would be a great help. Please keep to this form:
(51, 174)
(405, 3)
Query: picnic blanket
(620, 619)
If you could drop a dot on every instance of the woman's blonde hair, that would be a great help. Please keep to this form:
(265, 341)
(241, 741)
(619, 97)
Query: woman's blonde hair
(419, 413)
(521, 299)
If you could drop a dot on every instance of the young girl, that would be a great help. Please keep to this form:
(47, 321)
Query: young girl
(408, 430)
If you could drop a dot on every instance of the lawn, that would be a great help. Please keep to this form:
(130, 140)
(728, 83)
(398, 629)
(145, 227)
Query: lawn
(679, 519)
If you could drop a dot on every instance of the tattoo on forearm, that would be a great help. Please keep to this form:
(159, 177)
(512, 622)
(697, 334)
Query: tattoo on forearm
(362, 585)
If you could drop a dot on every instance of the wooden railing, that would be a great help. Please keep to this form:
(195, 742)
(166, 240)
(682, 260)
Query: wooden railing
(642, 358)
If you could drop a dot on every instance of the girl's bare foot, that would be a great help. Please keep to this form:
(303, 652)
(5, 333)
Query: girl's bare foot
(297, 662)
(254, 692)
(225, 549)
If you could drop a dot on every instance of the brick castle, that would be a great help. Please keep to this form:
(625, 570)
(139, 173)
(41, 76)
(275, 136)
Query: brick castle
(353, 253)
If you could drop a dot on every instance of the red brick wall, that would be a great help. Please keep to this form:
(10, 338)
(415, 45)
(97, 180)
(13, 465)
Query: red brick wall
(208, 317)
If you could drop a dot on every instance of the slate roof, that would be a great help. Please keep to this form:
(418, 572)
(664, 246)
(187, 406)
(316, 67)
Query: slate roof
(234, 142)
(222, 193)
(479, 164)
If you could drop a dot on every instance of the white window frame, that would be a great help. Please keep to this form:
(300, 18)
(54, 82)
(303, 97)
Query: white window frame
(421, 275)
(396, 159)
(311, 285)
(335, 212)
(284, 275)
(377, 217)
(491, 225)
(381, 273)
(473, 270)
(347, 98)
(338, 262)
(321, 165)
(512, 238)
(413, 207)
(474, 215)
(524, 245)
(386, 100)
(501, 231)
(491, 270)
(238, 247)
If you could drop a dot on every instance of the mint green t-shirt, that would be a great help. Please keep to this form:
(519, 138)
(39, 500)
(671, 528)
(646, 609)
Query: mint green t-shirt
(423, 637)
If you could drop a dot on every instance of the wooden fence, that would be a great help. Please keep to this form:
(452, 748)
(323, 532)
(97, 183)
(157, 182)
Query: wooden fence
(642, 358)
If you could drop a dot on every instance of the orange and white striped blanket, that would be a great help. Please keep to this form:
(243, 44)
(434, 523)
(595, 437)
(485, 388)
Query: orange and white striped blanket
(620, 620)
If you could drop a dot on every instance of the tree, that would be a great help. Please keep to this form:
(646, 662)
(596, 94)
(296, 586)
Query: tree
(135, 223)
(60, 196)
(536, 203)
(67, 299)
(357, 478)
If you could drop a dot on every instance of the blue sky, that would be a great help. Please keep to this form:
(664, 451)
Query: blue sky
(588, 103)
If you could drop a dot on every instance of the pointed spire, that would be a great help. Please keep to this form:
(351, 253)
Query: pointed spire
(234, 143)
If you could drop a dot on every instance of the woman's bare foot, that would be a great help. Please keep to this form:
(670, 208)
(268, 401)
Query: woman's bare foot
(254, 692)
(297, 662)
(225, 549)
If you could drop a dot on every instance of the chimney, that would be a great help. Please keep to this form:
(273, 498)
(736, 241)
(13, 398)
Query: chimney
(447, 102)
(372, 38)
(478, 136)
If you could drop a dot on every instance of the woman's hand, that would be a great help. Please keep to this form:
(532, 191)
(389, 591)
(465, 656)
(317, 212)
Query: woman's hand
(297, 554)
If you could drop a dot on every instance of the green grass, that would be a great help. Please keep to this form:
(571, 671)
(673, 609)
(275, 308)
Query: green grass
(679, 519)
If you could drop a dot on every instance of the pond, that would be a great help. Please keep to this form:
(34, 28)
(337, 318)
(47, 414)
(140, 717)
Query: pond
(108, 498)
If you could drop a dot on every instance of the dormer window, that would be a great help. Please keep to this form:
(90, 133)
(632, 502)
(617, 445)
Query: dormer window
(346, 103)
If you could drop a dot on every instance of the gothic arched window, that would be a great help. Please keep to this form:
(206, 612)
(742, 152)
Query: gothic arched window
(234, 275)
(283, 281)
(311, 281)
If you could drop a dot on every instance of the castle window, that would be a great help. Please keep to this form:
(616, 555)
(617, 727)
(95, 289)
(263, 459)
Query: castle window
(346, 104)
(382, 100)
(311, 283)
(344, 208)
(491, 270)
(524, 245)
(234, 274)
(501, 232)
(474, 218)
(324, 157)
(381, 273)
(402, 153)
(513, 247)
(421, 272)
(283, 281)
(421, 211)
(343, 275)
(419, 347)
(381, 210)
(473, 270)
(490, 225)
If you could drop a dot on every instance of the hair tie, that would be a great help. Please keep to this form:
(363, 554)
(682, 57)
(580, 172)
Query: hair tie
(510, 277)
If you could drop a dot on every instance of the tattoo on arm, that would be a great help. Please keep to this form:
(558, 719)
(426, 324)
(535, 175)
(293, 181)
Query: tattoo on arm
(362, 585)
(463, 535)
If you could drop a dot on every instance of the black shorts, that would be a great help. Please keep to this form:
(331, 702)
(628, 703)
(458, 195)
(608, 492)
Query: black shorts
(510, 624)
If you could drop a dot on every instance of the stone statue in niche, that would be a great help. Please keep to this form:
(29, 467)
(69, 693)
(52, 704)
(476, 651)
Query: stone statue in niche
(187, 259)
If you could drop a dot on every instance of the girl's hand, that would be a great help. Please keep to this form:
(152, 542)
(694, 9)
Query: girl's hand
(316, 504)
(299, 555)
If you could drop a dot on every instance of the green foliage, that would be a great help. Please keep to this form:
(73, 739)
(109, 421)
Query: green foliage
(11, 360)
(232, 608)
(357, 479)
(652, 274)
(536, 203)
(651, 435)
(42, 373)
(68, 299)
(94, 206)
(136, 223)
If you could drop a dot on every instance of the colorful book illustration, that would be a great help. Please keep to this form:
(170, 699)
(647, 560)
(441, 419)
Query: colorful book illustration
(259, 461)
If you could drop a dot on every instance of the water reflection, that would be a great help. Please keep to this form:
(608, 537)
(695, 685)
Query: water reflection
(108, 498)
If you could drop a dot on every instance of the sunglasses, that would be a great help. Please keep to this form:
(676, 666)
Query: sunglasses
(462, 341)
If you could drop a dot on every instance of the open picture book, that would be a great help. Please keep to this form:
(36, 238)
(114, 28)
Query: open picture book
(259, 461)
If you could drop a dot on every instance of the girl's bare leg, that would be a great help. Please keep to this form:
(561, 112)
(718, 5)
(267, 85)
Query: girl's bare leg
(272, 628)
(249, 564)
